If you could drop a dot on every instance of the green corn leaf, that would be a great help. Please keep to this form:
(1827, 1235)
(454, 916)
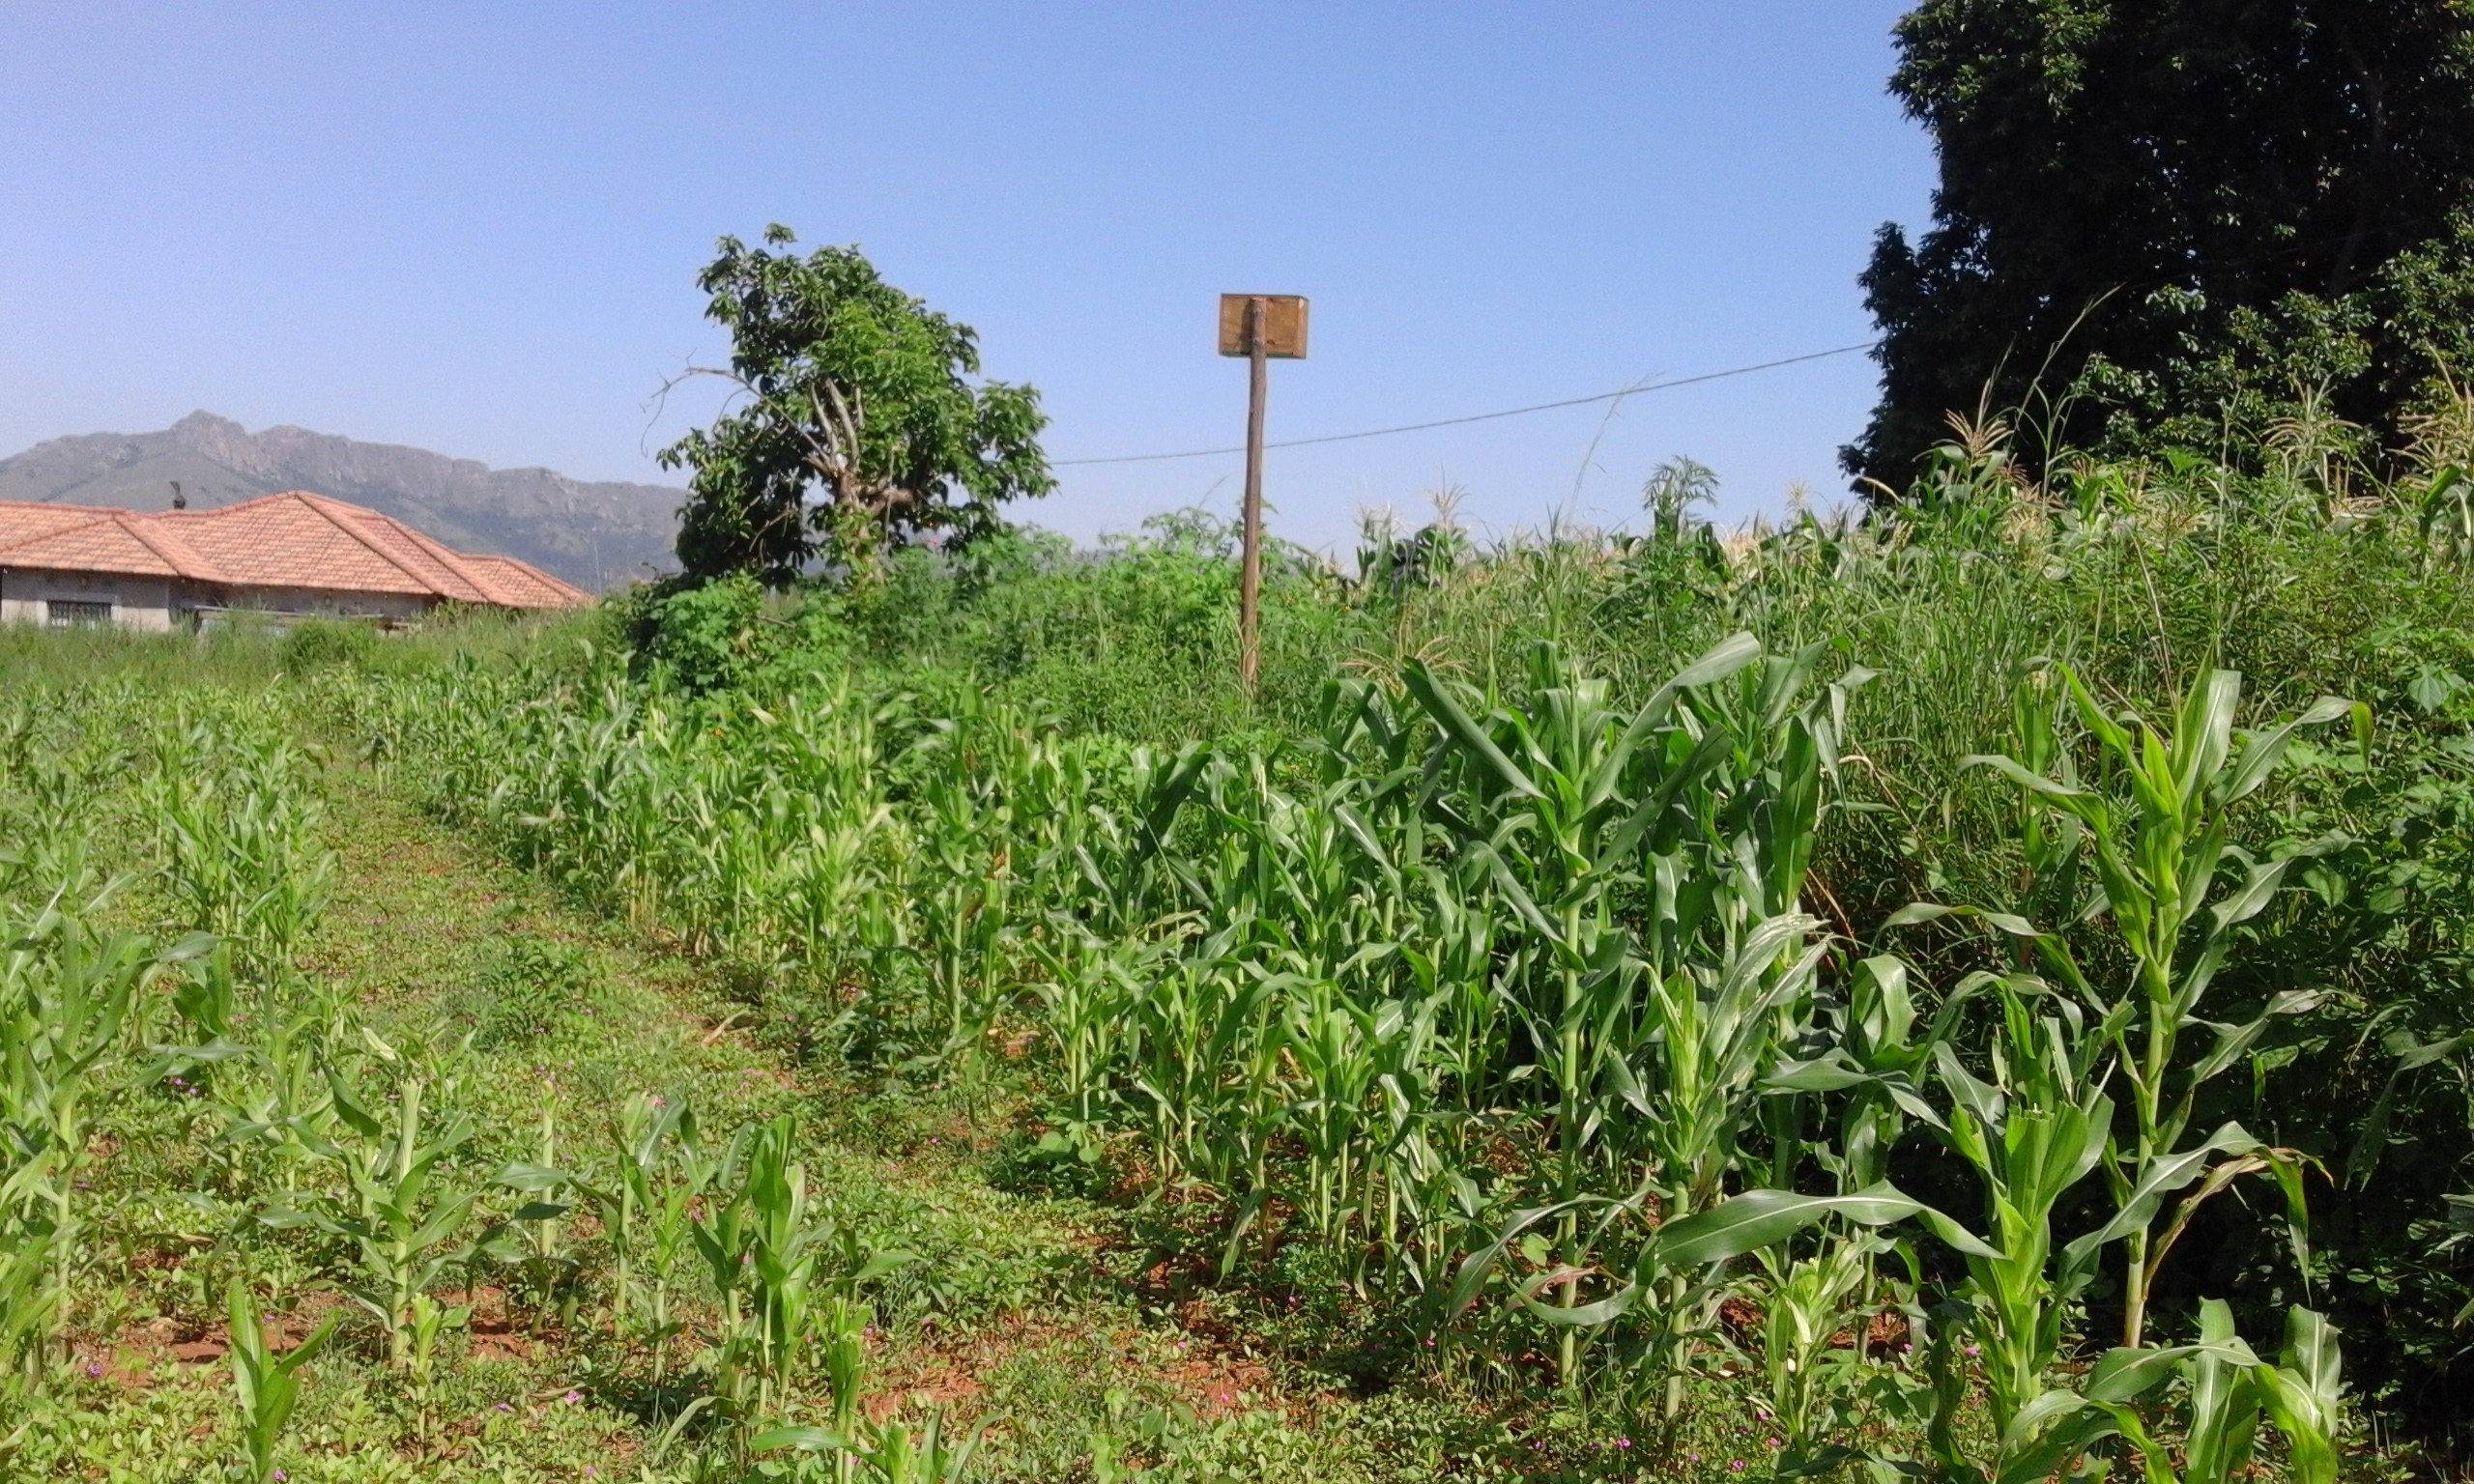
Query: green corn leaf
(2010, 769)
(1248, 1210)
(1981, 1100)
(1515, 896)
(1479, 1266)
(879, 1264)
(2314, 1359)
(804, 1439)
(1581, 1316)
(1458, 726)
(443, 1223)
(1717, 663)
(2261, 882)
(1707, 754)
(2234, 1042)
(1170, 796)
(2161, 1177)
(2304, 1397)
(2372, 1143)
(1817, 1076)
(1756, 1218)
(517, 1175)
(2260, 754)
(2224, 1401)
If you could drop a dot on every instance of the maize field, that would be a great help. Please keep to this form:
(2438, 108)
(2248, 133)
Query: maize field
(1494, 1070)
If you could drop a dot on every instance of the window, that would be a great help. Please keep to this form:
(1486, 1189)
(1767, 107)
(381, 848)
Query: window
(67, 612)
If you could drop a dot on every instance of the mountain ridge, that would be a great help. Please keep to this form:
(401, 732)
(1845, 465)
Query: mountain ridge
(595, 534)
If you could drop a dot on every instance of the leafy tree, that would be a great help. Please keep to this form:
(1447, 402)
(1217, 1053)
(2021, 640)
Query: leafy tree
(2158, 218)
(856, 427)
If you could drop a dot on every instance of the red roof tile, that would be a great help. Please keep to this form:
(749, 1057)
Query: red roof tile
(296, 540)
(23, 522)
(529, 586)
(121, 542)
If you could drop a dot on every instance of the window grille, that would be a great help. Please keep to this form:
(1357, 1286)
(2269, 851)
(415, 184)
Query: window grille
(67, 612)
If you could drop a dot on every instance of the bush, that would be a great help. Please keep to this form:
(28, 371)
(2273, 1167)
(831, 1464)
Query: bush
(704, 637)
(323, 643)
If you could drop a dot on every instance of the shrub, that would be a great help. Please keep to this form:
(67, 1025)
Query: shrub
(321, 644)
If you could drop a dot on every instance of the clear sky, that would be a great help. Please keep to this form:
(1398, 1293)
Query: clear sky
(475, 228)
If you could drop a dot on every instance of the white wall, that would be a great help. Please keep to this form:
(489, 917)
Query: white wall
(317, 600)
(137, 602)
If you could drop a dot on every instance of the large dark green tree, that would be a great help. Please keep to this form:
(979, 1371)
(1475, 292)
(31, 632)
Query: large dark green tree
(2156, 218)
(855, 423)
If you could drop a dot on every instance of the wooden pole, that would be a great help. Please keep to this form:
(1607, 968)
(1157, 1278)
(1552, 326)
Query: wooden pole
(1249, 586)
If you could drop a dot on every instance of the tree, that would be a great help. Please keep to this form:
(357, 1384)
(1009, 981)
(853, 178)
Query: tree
(2158, 217)
(853, 427)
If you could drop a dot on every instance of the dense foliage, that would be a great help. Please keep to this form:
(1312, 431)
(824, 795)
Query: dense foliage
(2058, 886)
(2158, 225)
(854, 427)
(1957, 990)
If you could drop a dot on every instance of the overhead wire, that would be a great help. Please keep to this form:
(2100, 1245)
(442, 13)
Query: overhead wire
(1452, 422)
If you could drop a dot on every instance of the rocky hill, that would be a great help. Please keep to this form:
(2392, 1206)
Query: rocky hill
(594, 535)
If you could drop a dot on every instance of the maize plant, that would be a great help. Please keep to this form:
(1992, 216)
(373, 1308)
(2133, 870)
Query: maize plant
(29, 1295)
(2174, 886)
(2227, 1388)
(269, 1384)
(292, 1115)
(2030, 1134)
(1565, 804)
(890, 1453)
(1806, 1303)
(239, 823)
(778, 1266)
(657, 1175)
(65, 996)
(403, 1232)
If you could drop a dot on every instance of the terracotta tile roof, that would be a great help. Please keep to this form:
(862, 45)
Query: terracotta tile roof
(296, 540)
(285, 541)
(533, 587)
(121, 542)
(24, 522)
(441, 570)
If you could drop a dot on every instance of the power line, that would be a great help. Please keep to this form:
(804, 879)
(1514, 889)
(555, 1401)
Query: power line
(1450, 422)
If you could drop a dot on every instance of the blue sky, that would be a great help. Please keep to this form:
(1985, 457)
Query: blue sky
(475, 228)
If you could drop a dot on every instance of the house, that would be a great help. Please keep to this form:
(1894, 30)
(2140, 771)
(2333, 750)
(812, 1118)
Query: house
(294, 554)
